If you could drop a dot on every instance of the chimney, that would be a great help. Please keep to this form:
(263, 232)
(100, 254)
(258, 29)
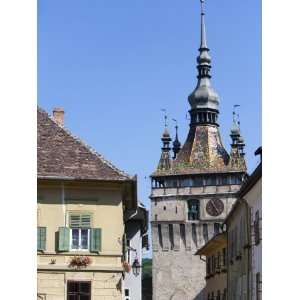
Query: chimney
(58, 115)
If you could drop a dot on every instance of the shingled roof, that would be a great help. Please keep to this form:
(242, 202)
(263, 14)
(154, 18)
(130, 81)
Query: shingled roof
(62, 155)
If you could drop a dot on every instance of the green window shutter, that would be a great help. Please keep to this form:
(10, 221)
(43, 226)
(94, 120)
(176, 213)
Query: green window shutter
(80, 220)
(95, 239)
(41, 238)
(64, 238)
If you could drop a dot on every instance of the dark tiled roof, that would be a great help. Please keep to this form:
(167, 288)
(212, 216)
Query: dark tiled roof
(60, 154)
(203, 152)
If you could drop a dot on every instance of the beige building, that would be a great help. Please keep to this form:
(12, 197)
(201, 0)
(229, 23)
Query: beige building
(215, 254)
(83, 202)
(251, 192)
(239, 252)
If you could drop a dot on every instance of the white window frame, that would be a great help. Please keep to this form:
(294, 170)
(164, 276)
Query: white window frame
(88, 244)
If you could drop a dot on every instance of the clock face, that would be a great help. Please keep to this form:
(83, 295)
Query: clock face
(214, 207)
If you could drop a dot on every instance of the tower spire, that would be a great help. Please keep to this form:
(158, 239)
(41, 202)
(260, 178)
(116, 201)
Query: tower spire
(204, 96)
(176, 143)
(203, 31)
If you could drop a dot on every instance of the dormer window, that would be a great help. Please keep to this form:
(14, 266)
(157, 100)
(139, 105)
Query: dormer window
(193, 210)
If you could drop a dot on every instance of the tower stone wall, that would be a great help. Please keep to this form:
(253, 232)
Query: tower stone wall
(177, 272)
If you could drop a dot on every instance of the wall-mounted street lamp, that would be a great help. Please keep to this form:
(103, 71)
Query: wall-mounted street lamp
(136, 267)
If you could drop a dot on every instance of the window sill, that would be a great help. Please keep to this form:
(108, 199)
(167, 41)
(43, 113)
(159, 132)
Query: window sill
(82, 269)
(69, 253)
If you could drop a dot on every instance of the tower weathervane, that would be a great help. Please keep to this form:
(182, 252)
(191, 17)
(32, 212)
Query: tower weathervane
(165, 116)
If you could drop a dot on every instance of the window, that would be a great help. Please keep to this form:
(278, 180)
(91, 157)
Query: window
(258, 286)
(193, 210)
(127, 294)
(79, 290)
(194, 234)
(80, 225)
(198, 181)
(208, 296)
(217, 228)
(213, 264)
(219, 260)
(160, 235)
(182, 234)
(171, 236)
(256, 228)
(224, 254)
(208, 266)
(218, 295)
(205, 232)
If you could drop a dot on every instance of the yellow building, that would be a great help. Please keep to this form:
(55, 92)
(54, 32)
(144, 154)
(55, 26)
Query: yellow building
(215, 253)
(83, 202)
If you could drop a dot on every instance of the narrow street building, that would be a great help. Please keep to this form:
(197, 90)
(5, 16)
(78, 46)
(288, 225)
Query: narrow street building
(252, 193)
(193, 191)
(214, 252)
(136, 229)
(239, 252)
(83, 203)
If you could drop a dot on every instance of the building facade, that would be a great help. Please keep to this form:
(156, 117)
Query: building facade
(193, 191)
(136, 229)
(215, 254)
(243, 227)
(252, 193)
(83, 202)
(239, 252)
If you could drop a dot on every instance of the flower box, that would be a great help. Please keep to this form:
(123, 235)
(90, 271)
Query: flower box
(80, 261)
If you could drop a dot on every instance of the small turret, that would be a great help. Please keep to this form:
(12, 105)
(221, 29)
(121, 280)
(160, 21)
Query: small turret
(176, 143)
(165, 160)
(238, 144)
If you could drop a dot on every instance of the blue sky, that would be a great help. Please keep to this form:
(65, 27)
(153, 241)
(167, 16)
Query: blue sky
(113, 65)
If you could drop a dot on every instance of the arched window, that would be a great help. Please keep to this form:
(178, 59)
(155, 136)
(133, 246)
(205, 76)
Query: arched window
(193, 209)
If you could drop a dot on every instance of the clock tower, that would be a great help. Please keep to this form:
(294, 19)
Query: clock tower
(193, 190)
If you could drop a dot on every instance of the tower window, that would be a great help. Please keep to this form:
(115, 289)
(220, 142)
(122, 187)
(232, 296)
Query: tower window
(205, 232)
(160, 236)
(217, 228)
(165, 208)
(171, 235)
(182, 234)
(193, 210)
(194, 234)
